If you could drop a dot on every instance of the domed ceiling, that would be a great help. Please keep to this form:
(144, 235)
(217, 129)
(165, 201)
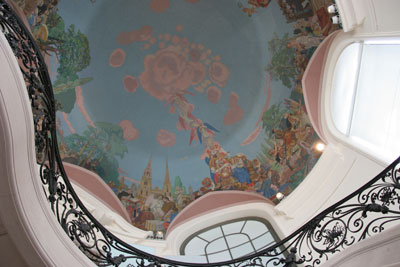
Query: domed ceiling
(168, 100)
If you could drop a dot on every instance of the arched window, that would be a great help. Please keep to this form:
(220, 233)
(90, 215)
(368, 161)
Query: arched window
(230, 240)
(365, 98)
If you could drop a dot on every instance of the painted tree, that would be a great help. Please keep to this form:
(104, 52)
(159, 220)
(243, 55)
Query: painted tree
(272, 118)
(71, 47)
(74, 55)
(108, 169)
(65, 99)
(55, 26)
(113, 136)
(178, 183)
(65, 93)
(105, 138)
(71, 85)
(75, 144)
(282, 66)
(266, 147)
(97, 148)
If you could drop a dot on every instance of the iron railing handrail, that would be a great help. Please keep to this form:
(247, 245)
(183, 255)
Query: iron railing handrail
(331, 231)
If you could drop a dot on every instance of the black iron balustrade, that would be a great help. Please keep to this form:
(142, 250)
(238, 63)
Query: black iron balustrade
(365, 212)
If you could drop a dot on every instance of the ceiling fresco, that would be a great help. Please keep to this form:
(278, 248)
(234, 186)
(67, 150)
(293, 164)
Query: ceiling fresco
(168, 100)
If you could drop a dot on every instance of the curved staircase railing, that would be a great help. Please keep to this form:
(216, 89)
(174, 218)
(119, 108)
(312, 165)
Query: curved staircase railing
(365, 212)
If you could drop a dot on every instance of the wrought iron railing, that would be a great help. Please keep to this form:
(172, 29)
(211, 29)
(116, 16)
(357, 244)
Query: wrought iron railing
(365, 212)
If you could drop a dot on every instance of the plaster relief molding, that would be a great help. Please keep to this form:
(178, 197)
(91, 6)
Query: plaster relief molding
(279, 212)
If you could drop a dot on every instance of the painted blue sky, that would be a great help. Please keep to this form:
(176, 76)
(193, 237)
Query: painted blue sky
(221, 26)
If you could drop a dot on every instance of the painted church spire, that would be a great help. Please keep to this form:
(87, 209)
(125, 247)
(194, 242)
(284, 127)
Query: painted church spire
(167, 188)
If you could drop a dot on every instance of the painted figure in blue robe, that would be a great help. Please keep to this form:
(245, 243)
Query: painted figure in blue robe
(242, 175)
(267, 190)
(270, 185)
(240, 172)
(212, 173)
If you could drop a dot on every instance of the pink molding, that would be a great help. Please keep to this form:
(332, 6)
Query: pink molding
(312, 83)
(93, 184)
(214, 201)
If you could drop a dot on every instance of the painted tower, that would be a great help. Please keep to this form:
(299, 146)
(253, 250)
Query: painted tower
(167, 188)
(145, 183)
(122, 185)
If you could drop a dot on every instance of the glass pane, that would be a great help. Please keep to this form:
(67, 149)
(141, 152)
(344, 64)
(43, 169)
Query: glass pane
(254, 228)
(211, 234)
(236, 240)
(195, 246)
(343, 86)
(263, 241)
(232, 228)
(216, 246)
(392, 145)
(185, 258)
(220, 246)
(242, 250)
(222, 256)
(376, 112)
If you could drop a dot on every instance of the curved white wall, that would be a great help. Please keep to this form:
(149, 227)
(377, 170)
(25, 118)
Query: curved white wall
(25, 213)
(32, 227)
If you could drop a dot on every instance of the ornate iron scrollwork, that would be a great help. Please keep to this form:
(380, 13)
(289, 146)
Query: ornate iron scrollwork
(363, 213)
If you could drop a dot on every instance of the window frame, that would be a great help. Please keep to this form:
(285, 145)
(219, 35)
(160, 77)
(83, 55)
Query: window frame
(329, 129)
(270, 230)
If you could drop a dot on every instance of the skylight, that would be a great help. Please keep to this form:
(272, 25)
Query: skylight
(366, 96)
(230, 240)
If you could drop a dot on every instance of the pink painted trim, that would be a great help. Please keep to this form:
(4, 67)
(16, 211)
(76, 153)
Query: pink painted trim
(312, 83)
(97, 187)
(214, 201)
